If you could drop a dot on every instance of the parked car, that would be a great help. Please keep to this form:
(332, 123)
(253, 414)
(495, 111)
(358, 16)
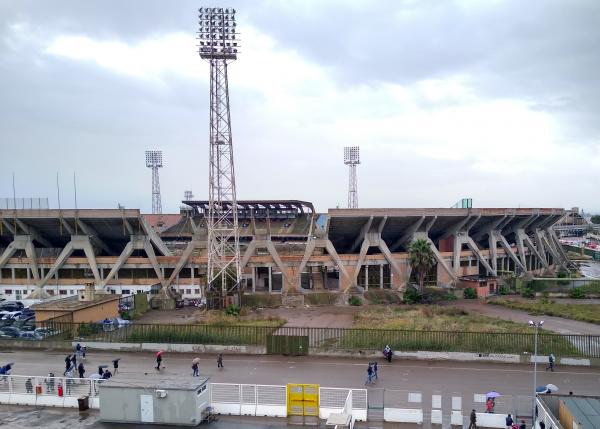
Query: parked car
(23, 317)
(11, 306)
(30, 335)
(45, 332)
(10, 332)
(10, 315)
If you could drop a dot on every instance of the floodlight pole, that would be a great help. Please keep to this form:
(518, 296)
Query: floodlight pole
(154, 161)
(352, 159)
(218, 45)
(536, 326)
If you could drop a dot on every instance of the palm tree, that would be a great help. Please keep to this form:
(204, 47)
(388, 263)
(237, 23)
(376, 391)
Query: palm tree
(421, 260)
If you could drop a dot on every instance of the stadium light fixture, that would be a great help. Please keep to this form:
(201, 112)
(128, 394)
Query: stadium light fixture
(154, 158)
(217, 25)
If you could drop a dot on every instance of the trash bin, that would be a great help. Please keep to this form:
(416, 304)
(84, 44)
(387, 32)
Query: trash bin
(38, 389)
(83, 402)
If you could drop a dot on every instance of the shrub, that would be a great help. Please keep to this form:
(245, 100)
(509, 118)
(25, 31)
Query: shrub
(125, 315)
(528, 293)
(233, 310)
(320, 298)
(261, 300)
(562, 275)
(545, 298)
(576, 293)
(503, 290)
(354, 300)
(470, 293)
(411, 296)
(87, 329)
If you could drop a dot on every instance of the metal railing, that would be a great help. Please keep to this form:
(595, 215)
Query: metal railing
(49, 386)
(328, 339)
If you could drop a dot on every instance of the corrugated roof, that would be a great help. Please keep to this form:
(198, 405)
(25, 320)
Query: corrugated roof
(586, 411)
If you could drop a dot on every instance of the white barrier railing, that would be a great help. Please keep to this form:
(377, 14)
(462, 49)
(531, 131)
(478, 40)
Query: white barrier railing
(271, 400)
(47, 391)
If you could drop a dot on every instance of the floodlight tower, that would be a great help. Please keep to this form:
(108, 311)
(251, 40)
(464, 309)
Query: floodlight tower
(219, 46)
(352, 159)
(154, 161)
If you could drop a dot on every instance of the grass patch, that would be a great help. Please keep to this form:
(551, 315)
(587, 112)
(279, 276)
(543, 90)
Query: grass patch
(433, 328)
(582, 312)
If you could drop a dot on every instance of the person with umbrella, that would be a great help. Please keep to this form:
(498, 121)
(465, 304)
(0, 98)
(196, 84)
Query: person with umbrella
(159, 359)
(195, 370)
(491, 400)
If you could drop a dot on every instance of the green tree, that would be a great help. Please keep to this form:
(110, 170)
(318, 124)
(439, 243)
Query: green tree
(421, 260)
(596, 219)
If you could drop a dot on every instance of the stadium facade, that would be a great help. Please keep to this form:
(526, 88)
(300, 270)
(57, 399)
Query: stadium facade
(286, 248)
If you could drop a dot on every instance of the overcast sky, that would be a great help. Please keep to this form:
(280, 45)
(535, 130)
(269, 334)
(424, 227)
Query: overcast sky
(498, 101)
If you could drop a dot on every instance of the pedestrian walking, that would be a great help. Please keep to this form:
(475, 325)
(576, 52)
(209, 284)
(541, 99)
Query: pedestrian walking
(116, 365)
(80, 369)
(550, 363)
(375, 370)
(29, 386)
(78, 349)
(509, 422)
(522, 425)
(220, 360)
(158, 359)
(195, 370)
(67, 364)
(74, 361)
(369, 375)
(542, 425)
(473, 420)
(490, 406)
(83, 351)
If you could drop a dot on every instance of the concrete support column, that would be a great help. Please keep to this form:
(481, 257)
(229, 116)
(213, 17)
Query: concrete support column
(366, 277)
(254, 279)
(270, 280)
(381, 276)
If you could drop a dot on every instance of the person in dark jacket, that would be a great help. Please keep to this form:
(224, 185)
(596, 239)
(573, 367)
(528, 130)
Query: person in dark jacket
(116, 365)
(473, 420)
(509, 422)
(81, 369)
(220, 360)
(522, 425)
(67, 364)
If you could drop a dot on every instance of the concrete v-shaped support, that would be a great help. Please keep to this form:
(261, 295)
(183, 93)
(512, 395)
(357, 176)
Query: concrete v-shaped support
(498, 237)
(22, 242)
(183, 259)
(154, 238)
(436, 253)
(78, 242)
(137, 242)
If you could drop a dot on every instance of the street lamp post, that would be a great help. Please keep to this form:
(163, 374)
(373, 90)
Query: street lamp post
(536, 326)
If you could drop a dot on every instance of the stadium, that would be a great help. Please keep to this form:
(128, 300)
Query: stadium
(286, 248)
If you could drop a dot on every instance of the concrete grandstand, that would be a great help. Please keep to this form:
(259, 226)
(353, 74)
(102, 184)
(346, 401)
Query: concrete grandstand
(286, 246)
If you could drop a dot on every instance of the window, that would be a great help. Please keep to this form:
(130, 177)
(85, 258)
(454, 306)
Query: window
(72, 292)
(197, 291)
(125, 292)
(50, 292)
(62, 292)
(8, 292)
(188, 291)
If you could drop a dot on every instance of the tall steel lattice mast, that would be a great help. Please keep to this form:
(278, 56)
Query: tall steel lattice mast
(219, 46)
(352, 159)
(154, 161)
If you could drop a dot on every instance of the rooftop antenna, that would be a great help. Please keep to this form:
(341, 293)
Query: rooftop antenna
(352, 159)
(154, 161)
(57, 190)
(218, 45)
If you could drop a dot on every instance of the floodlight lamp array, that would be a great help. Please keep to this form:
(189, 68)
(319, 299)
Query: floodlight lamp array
(217, 34)
(351, 155)
(154, 158)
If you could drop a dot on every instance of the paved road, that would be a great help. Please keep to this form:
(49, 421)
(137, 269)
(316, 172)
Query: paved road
(556, 324)
(427, 377)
